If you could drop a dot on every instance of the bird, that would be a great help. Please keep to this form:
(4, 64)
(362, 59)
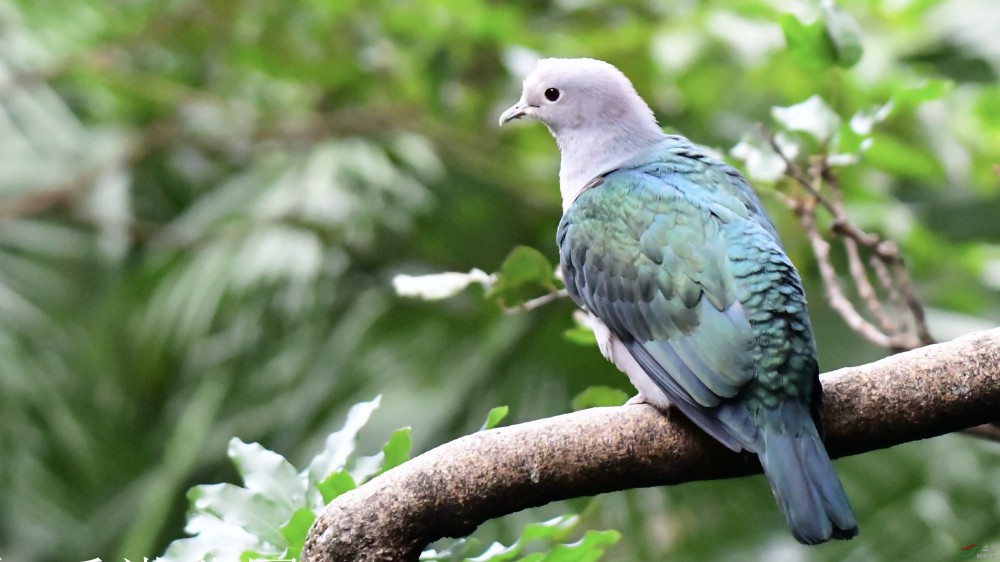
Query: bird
(687, 285)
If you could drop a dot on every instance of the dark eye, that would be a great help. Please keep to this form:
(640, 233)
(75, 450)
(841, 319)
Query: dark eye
(552, 94)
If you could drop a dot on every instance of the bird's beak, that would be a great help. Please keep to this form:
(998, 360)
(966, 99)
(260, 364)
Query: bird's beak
(516, 111)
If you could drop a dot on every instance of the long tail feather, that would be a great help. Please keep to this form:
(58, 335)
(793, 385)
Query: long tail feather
(806, 487)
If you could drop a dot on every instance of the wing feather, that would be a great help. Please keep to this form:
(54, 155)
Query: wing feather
(667, 291)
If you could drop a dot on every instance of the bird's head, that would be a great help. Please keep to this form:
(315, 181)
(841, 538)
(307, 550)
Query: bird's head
(572, 94)
(596, 116)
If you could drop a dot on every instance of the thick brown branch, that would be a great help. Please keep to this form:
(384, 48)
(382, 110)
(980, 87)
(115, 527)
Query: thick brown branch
(450, 490)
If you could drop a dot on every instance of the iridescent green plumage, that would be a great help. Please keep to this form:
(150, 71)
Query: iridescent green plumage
(688, 288)
(673, 253)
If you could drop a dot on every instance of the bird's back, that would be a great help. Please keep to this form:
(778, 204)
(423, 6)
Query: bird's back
(674, 254)
(677, 199)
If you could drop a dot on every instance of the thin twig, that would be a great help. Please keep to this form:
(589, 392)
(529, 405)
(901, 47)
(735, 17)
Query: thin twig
(855, 264)
(793, 170)
(909, 293)
(989, 431)
(834, 292)
(823, 190)
(885, 280)
(536, 302)
(865, 289)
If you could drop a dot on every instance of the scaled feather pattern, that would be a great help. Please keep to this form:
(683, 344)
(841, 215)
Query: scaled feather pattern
(691, 293)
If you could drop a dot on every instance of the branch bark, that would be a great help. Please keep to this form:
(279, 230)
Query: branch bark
(452, 489)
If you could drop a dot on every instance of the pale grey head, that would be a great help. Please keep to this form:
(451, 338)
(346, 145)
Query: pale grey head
(593, 111)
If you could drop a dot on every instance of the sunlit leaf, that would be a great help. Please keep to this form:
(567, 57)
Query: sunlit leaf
(599, 396)
(340, 445)
(268, 473)
(864, 120)
(439, 285)
(553, 530)
(367, 467)
(458, 551)
(255, 513)
(844, 34)
(591, 547)
(581, 336)
(525, 270)
(397, 450)
(494, 418)
(335, 484)
(809, 44)
(525, 265)
(812, 117)
(762, 163)
(296, 530)
(902, 158)
(582, 332)
(556, 529)
(213, 538)
(930, 89)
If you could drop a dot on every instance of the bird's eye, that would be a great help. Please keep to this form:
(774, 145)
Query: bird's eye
(552, 94)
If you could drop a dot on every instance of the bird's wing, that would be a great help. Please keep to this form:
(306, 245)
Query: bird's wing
(660, 268)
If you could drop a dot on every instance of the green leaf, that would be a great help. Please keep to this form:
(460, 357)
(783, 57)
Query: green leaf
(296, 530)
(903, 159)
(526, 265)
(599, 396)
(809, 44)
(336, 484)
(268, 474)
(495, 416)
(458, 551)
(843, 33)
(581, 335)
(930, 89)
(591, 547)
(523, 271)
(397, 450)
(553, 530)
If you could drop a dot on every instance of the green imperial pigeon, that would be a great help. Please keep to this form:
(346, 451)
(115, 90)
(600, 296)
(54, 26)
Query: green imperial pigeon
(687, 285)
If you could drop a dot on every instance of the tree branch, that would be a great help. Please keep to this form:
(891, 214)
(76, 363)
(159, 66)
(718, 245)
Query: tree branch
(450, 490)
(821, 188)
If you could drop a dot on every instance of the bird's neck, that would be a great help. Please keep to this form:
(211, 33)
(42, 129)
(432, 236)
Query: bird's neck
(589, 152)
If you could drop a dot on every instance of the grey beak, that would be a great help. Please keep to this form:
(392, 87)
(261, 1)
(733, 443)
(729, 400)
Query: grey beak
(516, 111)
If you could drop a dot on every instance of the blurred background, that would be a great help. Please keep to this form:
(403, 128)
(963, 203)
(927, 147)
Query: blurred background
(203, 203)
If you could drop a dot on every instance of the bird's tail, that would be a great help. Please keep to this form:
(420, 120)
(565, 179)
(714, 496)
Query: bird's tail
(804, 482)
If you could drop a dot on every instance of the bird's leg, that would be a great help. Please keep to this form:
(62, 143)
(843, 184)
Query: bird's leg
(639, 398)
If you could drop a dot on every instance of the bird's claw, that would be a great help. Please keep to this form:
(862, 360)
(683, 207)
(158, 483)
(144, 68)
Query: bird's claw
(639, 398)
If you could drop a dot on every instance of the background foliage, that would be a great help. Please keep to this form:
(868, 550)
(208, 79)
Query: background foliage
(202, 204)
